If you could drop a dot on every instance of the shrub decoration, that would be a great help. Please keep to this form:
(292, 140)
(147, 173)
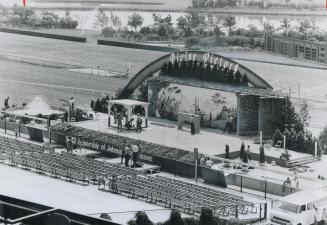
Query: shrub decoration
(204, 72)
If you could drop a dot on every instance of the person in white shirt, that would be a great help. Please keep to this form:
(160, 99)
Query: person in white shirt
(135, 150)
(209, 163)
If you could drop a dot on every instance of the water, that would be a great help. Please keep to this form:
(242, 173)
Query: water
(87, 18)
(242, 21)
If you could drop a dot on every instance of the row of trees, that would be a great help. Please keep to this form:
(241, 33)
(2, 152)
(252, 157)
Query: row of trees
(206, 218)
(196, 28)
(293, 124)
(296, 140)
(307, 30)
(255, 4)
(26, 17)
(204, 72)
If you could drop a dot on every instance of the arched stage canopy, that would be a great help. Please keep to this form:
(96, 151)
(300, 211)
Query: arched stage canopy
(200, 57)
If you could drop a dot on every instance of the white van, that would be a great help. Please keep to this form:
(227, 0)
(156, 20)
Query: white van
(299, 208)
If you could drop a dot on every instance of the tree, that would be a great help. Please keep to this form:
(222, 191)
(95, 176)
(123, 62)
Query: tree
(268, 28)
(162, 31)
(323, 139)
(141, 218)
(285, 26)
(101, 20)
(115, 21)
(304, 28)
(182, 22)
(175, 218)
(245, 80)
(242, 151)
(245, 157)
(289, 117)
(67, 22)
(304, 114)
(158, 19)
(238, 78)
(135, 20)
(229, 22)
(206, 217)
(217, 32)
(194, 19)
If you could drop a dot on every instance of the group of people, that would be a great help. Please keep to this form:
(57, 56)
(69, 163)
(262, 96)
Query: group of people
(129, 152)
(288, 181)
(118, 119)
(206, 162)
(104, 180)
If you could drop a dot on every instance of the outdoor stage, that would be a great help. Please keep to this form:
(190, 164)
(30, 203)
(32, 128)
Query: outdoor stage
(164, 132)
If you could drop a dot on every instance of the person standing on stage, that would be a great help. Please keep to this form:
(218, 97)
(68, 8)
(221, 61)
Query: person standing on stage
(120, 123)
(115, 113)
(139, 123)
(248, 152)
(69, 145)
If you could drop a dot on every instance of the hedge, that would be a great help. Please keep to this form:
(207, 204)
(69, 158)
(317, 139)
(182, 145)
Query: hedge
(44, 35)
(136, 46)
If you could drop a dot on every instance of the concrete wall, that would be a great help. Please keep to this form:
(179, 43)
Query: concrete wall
(247, 114)
(136, 46)
(44, 35)
(259, 185)
(269, 114)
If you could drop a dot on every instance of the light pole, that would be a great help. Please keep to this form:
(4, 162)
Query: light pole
(69, 109)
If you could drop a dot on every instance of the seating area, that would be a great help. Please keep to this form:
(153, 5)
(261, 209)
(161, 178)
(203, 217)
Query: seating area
(188, 197)
(156, 189)
(44, 160)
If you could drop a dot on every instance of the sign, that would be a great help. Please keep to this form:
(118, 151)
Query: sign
(101, 147)
(205, 58)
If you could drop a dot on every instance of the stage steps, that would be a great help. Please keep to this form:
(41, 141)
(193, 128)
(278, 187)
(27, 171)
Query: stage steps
(302, 161)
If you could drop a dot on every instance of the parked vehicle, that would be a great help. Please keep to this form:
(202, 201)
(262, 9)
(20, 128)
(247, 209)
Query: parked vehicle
(300, 208)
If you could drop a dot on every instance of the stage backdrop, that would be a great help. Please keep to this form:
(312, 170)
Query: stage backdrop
(167, 99)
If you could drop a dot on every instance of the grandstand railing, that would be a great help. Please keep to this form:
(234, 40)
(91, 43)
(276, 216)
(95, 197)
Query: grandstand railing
(13, 211)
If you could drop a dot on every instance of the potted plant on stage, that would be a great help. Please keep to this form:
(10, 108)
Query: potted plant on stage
(227, 156)
(245, 167)
(262, 161)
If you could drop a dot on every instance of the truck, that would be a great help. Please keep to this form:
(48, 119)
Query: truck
(301, 208)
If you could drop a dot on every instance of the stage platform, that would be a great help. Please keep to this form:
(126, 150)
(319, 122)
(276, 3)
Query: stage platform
(146, 168)
(208, 141)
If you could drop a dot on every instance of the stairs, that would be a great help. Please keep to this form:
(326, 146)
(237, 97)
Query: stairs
(302, 161)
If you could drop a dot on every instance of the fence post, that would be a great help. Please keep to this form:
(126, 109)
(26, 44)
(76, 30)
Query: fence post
(236, 212)
(175, 167)
(265, 189)
(260, 211)
(19, 129)
(265, 212)
(241, 184)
